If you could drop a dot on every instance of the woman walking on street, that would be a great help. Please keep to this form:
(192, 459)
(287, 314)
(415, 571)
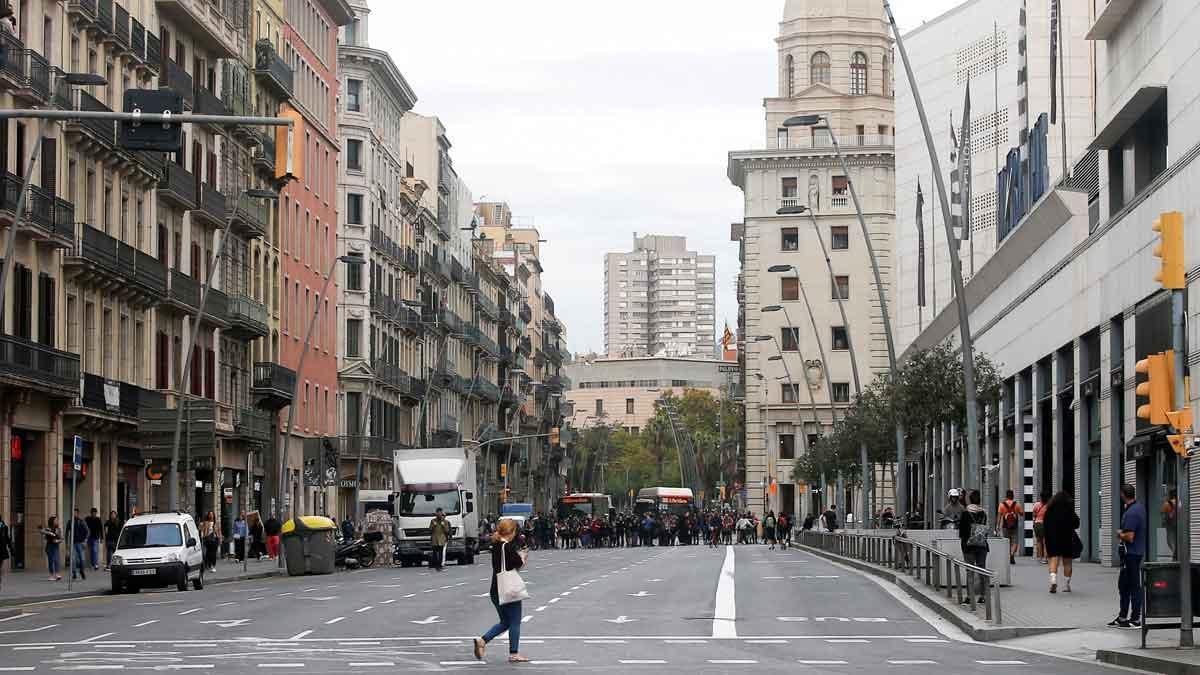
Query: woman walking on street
(208, 535)
(504, 557)
(52, 536)
(1039, 527)
(1059, 524)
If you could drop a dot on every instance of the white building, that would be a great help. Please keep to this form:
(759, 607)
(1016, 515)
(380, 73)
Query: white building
(976, 43)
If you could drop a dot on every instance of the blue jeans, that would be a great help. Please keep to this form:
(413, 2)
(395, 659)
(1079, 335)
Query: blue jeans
(94, 552)
(77, 558)
(1129, 583)
(510, 620)
(52, 560)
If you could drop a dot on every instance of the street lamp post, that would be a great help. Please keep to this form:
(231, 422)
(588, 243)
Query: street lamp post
(186, 367)
(813, 120)
(287, 430)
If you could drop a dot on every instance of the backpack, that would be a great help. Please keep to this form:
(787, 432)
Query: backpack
(1010, 515)
(979, 534)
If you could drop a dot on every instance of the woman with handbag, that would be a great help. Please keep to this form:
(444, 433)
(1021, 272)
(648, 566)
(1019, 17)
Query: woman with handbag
(1059, 525)
(508, 590)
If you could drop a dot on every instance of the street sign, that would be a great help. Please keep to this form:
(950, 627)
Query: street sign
(155, 137)
(727, 368)
(77, 456)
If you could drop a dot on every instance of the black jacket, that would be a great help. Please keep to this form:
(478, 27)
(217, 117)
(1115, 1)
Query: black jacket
(512, 561)
(970, 517)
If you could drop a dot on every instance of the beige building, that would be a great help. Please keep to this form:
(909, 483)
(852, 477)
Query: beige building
(659, 300)
(835, 59)
(622, 392)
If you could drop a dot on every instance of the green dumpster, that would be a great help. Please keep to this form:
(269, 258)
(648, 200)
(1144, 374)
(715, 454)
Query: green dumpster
(308, 545)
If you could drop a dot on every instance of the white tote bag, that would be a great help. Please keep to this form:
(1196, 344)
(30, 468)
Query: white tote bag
(510, 587)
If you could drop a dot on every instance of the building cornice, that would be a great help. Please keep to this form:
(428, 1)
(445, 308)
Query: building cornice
(381, 64)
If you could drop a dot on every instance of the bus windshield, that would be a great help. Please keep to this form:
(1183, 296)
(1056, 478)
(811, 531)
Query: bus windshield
(414, 504)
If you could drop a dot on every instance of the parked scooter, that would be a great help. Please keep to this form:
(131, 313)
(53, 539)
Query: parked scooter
(356, 553)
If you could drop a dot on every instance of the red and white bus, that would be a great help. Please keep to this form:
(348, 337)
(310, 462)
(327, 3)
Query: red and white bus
(676, 501)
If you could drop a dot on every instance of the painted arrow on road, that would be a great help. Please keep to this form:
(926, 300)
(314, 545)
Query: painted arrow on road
(430, 620)
(640, 594)
(621, 619)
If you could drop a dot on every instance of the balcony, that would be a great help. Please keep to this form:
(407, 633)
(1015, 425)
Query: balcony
(82, 12)
(506, 354)
(264, 153)
(47, 218)
(251, 218)
(484, 389)
(247, 318)
(526, 312)
(154, 55)
(510, 397)
(119, 35)
(184, 296)
(350, 448)
(208, 103)
(388, 374)
(101, 261)
(385, 246)
(174, 77)
(177, 186)
(137, 42)
(273, 386)
(121, 402)
(156, 428)
(210, 206)
(487, 307)
(551, 325)
(214, 24)
(526, 346)
(411, 262)
(412, 390)
(272, 71)
(434, 265)
(25, 363)
(456, 271)
(252, 425)
(104, 19)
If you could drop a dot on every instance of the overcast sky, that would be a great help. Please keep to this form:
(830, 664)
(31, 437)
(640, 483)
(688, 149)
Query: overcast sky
(598, 120)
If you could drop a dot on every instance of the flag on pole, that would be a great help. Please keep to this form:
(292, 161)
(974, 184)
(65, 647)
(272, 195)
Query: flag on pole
(964, 168)
(1053, 60)
(955, 179)
(920, 246)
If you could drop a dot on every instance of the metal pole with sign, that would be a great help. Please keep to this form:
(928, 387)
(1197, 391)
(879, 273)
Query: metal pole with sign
(77, 466)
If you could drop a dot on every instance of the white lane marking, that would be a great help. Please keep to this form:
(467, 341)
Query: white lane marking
(911, 662)
(388, 602)
(429, 590)
(98, 637)
(462, 663)
(92, 667)
(814, 576)
(8, 669)
(526, 619)
(565, 593)
(145, 623)
(14, 617)
(301, 635)
(1001, 663)
(410, 595)
(196, 644)
(190, 611)
(541, 609)
(285, 594)
(554, 600)
(440, 643)
(185, 666)
(358, 644)
(335, 620)
(257, 597)
(427, 621)
(725, 608)
(845, 640)
(371, 664)
(553, 663)
(731, 662)
(828, 662)
(621, 619)
(605, 642)
(226, 604)
(766, 642)
(640, 594)
(925, 640)
(686, 642)
(20, 649)
(771, 578)
(642, 662)
(163, 602)
(363, 609)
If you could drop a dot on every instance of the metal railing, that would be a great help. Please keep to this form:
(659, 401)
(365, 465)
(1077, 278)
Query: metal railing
(267, 63)
(938, 570)
(823, 142)
(174, 77)
(36, 362)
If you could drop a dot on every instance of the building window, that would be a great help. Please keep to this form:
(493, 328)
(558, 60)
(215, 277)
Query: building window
(858, 74)
(354, 209)
(788, 338)
(789, 288)
(839, 238)
(790, 74)
(628, 406)
(790, 239)
(353, 337)
(886, 88)
(791, 392)
(840, 287)
(354, 95)
(781, 138)
(860, 133)
(354, 155)
(841, 342)
(599, 407)
(841, 188)
(788, 187)
(841, 392)
(354, 275)
(818, 68)
(787, 443)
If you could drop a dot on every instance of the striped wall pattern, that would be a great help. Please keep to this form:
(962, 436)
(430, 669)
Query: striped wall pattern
(1027, 488)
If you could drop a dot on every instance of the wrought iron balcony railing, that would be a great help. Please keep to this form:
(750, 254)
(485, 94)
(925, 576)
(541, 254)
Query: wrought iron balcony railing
(40, 366)
(272, 70)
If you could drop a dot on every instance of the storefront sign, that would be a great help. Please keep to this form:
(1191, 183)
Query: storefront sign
(112, 395)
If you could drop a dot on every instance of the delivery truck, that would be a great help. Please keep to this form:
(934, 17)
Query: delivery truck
(428, 479)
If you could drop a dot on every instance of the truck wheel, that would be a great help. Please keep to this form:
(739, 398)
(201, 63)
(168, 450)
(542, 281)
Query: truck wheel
(181, 585)
(466, 559)
(198, 582)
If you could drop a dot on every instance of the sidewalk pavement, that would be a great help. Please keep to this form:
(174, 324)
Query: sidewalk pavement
(20, 586)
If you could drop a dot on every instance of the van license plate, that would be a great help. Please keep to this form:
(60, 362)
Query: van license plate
(145, 572)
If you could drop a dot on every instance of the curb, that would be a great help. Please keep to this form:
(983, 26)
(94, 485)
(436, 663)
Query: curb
(17, 601)
(973, 626)
(1147, 662)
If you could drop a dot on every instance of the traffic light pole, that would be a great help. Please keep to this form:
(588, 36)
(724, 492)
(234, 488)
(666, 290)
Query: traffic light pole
(1182, 522)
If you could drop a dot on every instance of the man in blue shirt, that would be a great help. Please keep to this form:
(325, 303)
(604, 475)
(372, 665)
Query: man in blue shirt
(1133, 550)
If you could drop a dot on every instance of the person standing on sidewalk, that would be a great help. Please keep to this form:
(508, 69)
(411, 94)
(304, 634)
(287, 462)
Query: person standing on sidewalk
(439, 537)
(1132, 550)
(239, 537)
(1060, 524)
(505, 557)
(79, 538)
(112, 532)
(973, 533)
(95, 528)
(270, 531)
(1170, 514)
(1039, 527)
(1008, 516)
(5, 545)
(52, 538)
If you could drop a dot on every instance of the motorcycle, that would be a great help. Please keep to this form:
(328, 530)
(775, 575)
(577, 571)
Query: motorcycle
(356, 553)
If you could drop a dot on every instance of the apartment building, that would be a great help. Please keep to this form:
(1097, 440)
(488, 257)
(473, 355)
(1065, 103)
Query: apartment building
(834, 59)
(309, 219)
(659, 299)
(622, 392)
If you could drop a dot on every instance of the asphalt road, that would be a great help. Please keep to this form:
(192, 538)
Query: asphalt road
(682, 609)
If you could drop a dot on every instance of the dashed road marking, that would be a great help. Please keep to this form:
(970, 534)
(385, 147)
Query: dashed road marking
(767, 642)
(301, 636)
(32, 647)
(541, 609)
(9, 669)
(845, 640)
(281, 665)
(733, 662)
(388, 602)
(363, 609)
(553, 663)
(1001, 663)
(826, 662)
(145, 623)
(642, 662)
(925, 640)
(911, 662)
(371, 664)
(190, 611)
(335, 620)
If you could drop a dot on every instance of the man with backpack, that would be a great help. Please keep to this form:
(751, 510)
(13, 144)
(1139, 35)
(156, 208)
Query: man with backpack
(1009, 515)
(973, 533)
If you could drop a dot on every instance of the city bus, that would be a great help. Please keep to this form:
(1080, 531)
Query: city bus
(584, 505)
(676, 501)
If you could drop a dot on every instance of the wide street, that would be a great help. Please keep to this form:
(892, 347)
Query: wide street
(675, 609)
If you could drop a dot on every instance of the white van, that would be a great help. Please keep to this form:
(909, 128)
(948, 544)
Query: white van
(157, 550)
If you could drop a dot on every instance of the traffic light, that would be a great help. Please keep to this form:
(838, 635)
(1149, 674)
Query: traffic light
(1169, 226)
(152, 136)
(1158, 388)
(1178, 443)
(503, 470)
(554, 438)
(289, 145)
